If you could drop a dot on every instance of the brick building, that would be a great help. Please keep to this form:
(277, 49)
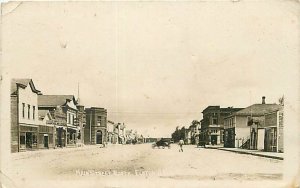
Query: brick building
(95, 131)
(212, 124)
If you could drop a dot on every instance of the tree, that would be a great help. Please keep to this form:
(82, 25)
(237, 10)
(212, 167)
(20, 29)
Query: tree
(281, 100)
(195, 122)
(178, 134)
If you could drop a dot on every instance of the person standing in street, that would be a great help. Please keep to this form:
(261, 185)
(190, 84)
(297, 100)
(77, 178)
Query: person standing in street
(181, 142)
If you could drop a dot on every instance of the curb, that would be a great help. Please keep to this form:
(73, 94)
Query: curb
(255, 154)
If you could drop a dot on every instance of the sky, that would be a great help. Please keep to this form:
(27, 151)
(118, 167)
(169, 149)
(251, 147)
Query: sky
(154, 65)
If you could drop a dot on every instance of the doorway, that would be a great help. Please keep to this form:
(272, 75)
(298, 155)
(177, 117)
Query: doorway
(214, 139)
(46, 141)
(29, 140)
(99, 137)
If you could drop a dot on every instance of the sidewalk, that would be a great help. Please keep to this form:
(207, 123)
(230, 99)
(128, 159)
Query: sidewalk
(273, 155)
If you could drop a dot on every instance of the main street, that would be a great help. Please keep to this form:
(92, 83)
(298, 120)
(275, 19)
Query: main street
(131, 165)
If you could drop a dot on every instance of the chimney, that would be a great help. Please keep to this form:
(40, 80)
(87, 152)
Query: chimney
(263, 100)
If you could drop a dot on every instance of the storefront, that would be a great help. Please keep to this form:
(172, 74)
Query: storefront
(46, 135)
(271, 139)
(60, 139)
(229, 138)
(71, 136)
(28, 137)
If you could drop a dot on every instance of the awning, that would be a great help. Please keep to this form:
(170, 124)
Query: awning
(59, 126)
(73, 128)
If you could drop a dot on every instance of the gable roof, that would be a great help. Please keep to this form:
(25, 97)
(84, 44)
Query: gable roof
(54, 100)
(257, 109)
(23, 82)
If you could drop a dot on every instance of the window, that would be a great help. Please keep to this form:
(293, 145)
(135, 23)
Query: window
(23, 110)
(28, 111)
(73, 117)
(69, 118)
(33, 112)
(214, 120)
(99, 121)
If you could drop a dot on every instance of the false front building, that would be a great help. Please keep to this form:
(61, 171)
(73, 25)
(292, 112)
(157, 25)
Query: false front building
(64, 112)
(28, 130)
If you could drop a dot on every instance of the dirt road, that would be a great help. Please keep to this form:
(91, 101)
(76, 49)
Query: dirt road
(138, 166)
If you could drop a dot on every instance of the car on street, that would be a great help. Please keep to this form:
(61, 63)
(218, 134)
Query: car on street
(162, 143)
(201, 144)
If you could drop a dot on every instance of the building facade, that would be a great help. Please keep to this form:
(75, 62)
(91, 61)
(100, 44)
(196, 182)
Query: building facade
(64, 112)
(256, 125)
(28, 130)
(274, 134)
(95, 131)
(47, 132)
(236, 126)
(212, 124)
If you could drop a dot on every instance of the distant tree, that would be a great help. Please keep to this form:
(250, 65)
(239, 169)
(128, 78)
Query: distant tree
(195, 122)
(281, 100)
(182, 133)
(178, 134)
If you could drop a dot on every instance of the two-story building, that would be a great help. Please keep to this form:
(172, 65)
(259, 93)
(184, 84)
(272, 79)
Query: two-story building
(30, 128)
(64, 112)
(236, 127)
(95, 131)
(212, 124)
